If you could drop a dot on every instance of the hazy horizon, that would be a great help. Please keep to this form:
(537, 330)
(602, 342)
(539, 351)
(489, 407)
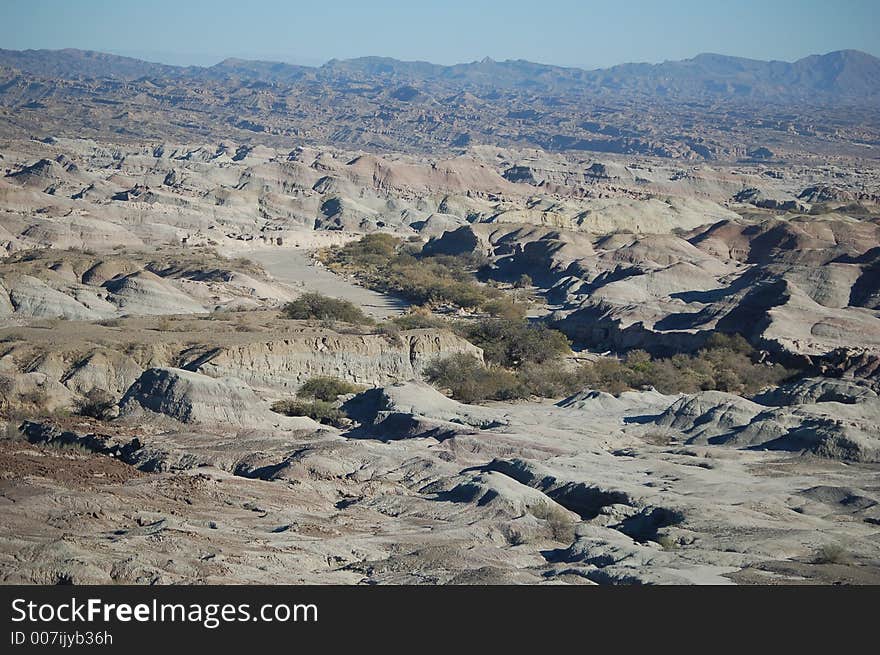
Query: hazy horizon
(204, 60)
(576, 34)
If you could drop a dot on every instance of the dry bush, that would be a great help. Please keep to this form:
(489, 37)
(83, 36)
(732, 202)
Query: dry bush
(96, 404)
(387, 264)
(420, 318)
(559, 523)
(832, 554)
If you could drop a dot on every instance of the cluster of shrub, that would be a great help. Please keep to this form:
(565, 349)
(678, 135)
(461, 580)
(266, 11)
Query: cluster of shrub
(520, 368)
(315, 306)
(318, 399)
(726, 363)
(522, 358)
(390, 265)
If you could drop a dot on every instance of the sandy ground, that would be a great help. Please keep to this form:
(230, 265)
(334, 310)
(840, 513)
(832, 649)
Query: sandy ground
(298, 269)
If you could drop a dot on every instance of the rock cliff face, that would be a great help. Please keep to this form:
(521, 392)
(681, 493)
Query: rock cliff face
(364, 359)
(73, 360)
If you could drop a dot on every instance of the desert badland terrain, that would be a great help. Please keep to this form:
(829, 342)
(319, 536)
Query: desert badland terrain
(615, 326)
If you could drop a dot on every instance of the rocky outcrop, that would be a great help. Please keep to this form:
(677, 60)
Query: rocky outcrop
(412, 409)
(709, 413)
(190, 397)
(147, 293)
(817, 390)
(363, 359)
(824, 417)
(32, 297)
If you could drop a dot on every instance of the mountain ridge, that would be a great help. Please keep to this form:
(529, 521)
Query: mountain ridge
(847, 73)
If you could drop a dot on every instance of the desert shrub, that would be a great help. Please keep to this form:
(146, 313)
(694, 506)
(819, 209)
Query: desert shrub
(511, 343)
(387, 264)
(165, 324)
(523, 282)
(469, 381)
(513, 536)
(326, 388)
(419, 318)
(523, 360)
(319, 410)
(668, 542)
(559, 523)
(314, 306)
(9, 429)
(35, 401)
(390, 331)
(505, 308)
(6, 387)
(549, 380)
(832, 554)
(372, 251)
(726, 363)
(95, 404)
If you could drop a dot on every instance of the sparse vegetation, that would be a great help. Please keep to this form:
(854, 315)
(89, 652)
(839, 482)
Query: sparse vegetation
(319, 410)
(96, 404)
(559, 523)
(513, 536)
(469, 381)
(314, 306)
(667, 542)
(550, 379)
(832, 554)
(388, 264)
(390, 331)
(524, 281)
(505, 308)
(524, 360)
(6, 388)
(512, 343)
(727, 363)
(326, 388)
(419, 318)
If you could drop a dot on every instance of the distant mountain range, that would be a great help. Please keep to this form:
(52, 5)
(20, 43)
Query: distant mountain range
(844, 74)
(708, 107)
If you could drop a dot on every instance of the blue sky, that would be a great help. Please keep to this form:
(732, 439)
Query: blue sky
(566, 32)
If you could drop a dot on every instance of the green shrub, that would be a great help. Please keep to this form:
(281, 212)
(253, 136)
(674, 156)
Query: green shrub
(726, 363)
(469, 381)
(385, 263)
(526, 361)
(326, 388)
(511, 343)
(373, 250)
(549, 380)
(319, 410)
(314, 306)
